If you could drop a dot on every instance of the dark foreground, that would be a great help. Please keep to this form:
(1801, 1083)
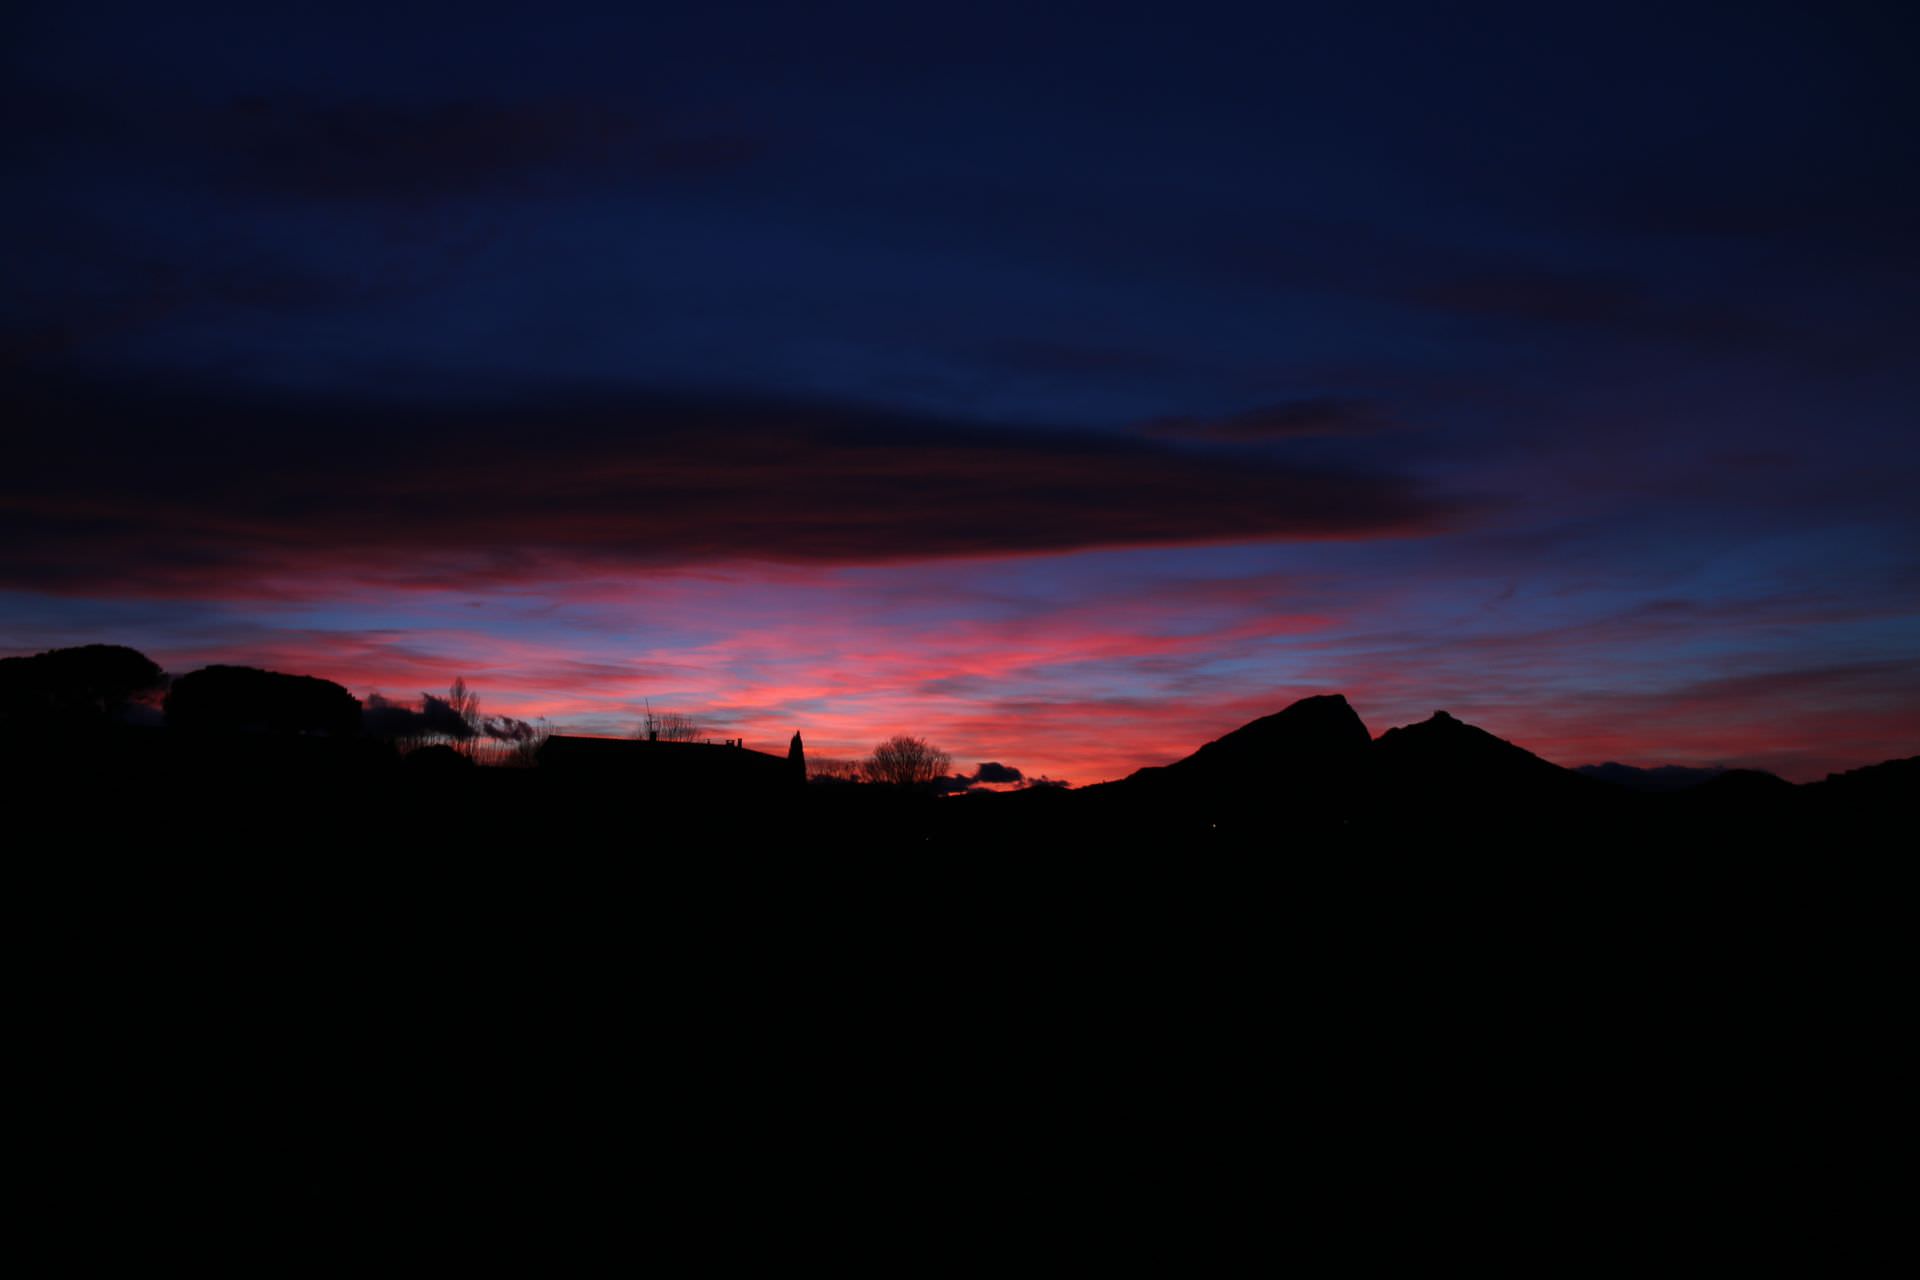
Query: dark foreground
(403, 995)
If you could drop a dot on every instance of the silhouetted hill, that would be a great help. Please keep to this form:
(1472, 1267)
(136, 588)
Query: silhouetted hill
(1660, 779)
(1312, 770)
(1448, 779)
(1878, 796)
(1741, 784)
(1441, 751)
(1735, 806)
(1312, 733)
(1298, 767)
(1890, 778)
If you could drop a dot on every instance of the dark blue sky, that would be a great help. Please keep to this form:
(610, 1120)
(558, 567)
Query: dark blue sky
(1550, 364)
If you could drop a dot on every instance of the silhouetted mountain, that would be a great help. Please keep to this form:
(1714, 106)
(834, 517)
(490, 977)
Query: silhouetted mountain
(1890, 777)
(1661, 779)
(1879, 793)
(1313, 768)
(1298, 766)
(1313, 733)
(1737, 804)
(1443, 750)
(1741, 785)
(1444, 775)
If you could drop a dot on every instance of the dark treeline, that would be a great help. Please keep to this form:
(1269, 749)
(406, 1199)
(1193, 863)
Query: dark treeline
(86, 691)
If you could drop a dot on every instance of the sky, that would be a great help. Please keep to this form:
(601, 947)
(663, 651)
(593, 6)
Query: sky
(1066, 385)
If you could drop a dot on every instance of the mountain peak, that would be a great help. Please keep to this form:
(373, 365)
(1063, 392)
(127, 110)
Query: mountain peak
(1442, 747)
(1319, 728)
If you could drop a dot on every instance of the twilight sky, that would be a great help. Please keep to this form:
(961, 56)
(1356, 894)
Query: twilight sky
(1063, 385)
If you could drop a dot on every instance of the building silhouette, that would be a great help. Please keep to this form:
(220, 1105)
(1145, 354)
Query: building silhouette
(676, 773)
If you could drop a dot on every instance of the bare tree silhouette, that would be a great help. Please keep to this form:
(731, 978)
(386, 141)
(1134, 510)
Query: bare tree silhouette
(904, 761)
(465, 705)
(668, 726)
(833, 769)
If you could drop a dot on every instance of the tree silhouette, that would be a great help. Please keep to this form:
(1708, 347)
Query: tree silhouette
(464, 702)
(464, 705)
(519, 741)
(668, 726)
(902, 761)
(832, 769)
(226, 699)
(87, 685)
